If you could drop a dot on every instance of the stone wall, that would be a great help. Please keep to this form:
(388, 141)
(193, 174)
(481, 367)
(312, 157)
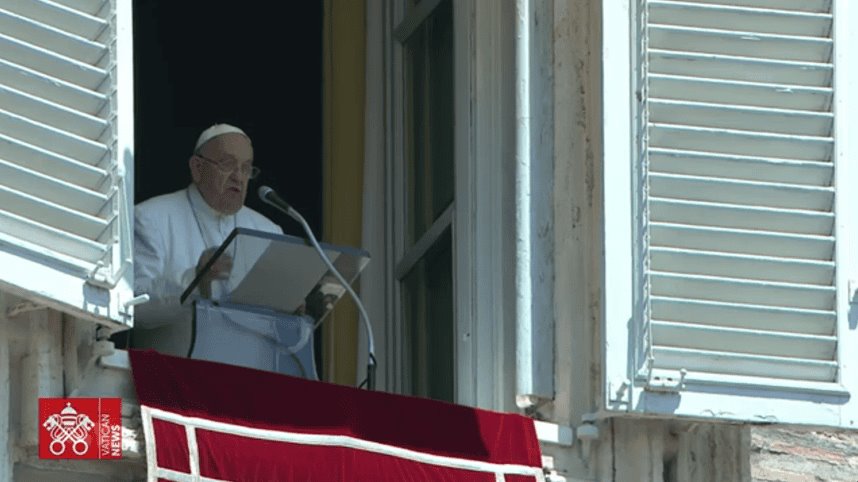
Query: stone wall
(799, 455)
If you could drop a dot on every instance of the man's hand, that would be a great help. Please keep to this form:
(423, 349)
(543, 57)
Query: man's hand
(219, 270)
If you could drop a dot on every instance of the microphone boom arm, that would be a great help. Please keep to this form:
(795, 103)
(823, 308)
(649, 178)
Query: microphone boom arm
(266, 194)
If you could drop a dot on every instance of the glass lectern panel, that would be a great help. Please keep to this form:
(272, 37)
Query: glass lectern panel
(281, 272)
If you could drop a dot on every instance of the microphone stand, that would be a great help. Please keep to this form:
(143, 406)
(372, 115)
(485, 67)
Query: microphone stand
(371, 363)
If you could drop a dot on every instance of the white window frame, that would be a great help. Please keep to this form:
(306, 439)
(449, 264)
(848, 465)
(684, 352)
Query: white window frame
(774, 401)
(404, 257)
(475, 216)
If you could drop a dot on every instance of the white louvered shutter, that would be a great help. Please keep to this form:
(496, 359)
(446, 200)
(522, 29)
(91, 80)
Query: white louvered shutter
(736, 239)
(66, 154)
(740, 199)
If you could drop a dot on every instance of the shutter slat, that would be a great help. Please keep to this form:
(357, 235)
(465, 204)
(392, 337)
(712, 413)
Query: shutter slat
(734, 290)
(743, 143)
(91, 7)
(55, 115)
(50, 63)
(52, 189)
(66, 143)
(748, 267)
(744, 315)
(756, 119)
(741, 364)
(818, 6)
(51, 240)
(737, 340)
(741, 167)
(49, 113)
(50, 38)
(729, 67)
(744, 44)
(51, 89)
(739, 18)
(61, 17)
(728, 92)
(51, 214)
(742, 241)
(721, 190)
(741, 217)
(51, 163)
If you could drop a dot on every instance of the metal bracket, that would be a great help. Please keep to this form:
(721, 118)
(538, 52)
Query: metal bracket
(98, 277)
(619, 391)
(661, 380)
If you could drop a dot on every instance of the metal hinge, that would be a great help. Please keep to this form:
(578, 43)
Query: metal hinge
(99, 276)
(661, 380)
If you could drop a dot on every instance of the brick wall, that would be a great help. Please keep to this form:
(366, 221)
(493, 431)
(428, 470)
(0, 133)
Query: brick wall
(796, 455)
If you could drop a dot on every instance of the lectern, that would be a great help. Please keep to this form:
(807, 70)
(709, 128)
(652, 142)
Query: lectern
(263, 315)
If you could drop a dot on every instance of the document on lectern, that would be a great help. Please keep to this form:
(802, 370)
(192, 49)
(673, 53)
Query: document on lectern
(283, 272)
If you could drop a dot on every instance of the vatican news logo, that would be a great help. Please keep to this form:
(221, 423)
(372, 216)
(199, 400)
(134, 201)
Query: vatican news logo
(80, 428)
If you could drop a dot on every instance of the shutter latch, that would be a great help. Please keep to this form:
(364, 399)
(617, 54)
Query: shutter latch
(661, 380)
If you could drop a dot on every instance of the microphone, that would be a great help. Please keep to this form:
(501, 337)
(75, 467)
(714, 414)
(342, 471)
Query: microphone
(269, 196)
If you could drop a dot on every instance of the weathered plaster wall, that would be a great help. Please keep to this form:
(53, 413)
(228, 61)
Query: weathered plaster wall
(803, 455)
(44, 353)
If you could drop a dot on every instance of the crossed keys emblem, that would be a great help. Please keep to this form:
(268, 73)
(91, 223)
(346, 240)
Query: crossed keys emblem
(68, 425)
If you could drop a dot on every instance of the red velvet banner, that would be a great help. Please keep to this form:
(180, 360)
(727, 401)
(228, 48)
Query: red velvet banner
(232, 423)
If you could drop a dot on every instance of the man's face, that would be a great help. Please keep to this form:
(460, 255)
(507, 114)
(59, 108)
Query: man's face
(221, 171)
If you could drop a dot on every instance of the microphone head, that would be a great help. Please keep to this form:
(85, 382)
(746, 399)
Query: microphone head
(263, 192)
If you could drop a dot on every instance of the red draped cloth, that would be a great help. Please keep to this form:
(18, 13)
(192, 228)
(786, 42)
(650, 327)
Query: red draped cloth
(225, 422)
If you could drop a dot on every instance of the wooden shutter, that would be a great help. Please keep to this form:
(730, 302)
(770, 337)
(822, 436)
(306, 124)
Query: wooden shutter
(737, 153)
(66, 153)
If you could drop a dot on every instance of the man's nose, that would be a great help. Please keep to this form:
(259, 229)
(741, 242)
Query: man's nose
(236, 175)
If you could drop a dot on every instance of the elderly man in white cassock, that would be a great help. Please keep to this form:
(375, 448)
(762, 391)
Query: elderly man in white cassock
(176, 234)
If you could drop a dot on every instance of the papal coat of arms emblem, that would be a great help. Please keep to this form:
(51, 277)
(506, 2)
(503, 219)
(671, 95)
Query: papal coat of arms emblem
(68, 428)
(80, 428)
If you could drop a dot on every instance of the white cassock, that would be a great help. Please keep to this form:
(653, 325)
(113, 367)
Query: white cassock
(170, 233)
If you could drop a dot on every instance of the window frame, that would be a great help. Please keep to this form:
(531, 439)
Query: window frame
(481, 346)
(406, 21)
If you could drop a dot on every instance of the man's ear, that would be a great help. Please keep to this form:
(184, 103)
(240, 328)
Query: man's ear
(194, 165)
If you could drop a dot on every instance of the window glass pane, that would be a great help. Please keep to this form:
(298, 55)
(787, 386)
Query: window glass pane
(429, 117)
(428, 314)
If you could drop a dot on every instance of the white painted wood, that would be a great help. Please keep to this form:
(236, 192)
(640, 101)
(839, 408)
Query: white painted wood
(846, 150)
(745, 244)
(617, 295)
(71, 20)
(66, 154)
(374, 228)
(724, 273)
(484, 319)
(467, 328)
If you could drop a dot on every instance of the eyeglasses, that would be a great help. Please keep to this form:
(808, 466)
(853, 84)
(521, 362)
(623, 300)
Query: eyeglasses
(227, 167)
